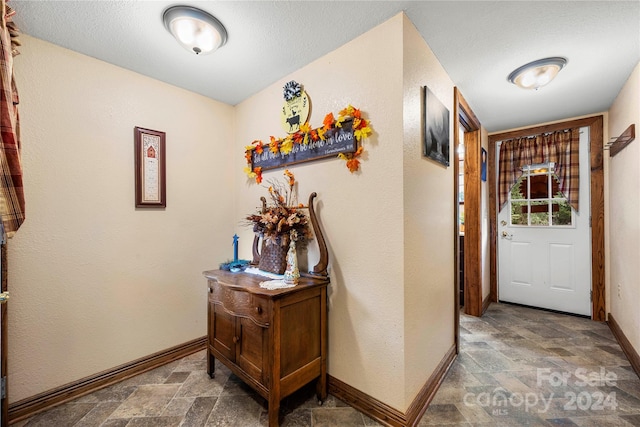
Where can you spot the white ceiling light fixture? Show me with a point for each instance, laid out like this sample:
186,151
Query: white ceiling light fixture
537,73
196,30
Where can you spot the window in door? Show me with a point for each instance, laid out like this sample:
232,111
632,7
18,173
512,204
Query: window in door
536,201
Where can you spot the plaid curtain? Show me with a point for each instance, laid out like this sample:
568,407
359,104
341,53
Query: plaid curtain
560,147
11,190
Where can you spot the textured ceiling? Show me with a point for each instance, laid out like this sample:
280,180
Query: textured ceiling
478,43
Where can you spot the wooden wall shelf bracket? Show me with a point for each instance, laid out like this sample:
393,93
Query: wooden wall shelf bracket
256,238
320,270
622,141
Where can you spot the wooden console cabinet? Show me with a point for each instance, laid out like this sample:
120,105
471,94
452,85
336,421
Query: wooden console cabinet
274,340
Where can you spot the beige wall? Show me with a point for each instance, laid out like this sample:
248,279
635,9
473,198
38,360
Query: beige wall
428,221
97,283
624,205
361,213
382,338
94,282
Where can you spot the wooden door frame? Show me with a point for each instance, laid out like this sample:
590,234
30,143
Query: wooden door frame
595,124
464,116
4,405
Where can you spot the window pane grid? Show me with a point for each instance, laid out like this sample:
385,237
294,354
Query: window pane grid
535,200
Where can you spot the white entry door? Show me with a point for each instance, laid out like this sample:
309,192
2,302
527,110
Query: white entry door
544,246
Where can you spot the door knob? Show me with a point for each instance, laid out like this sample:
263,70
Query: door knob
506,235
4,297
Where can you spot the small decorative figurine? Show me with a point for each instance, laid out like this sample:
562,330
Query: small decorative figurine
292,274
235,248
237,264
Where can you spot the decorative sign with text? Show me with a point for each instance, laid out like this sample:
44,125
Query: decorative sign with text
336,141
339,137
296,108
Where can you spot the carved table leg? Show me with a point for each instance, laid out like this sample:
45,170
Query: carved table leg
321,384
211,365
321,389
274,412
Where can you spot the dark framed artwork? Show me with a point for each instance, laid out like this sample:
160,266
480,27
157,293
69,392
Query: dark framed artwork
436,128
150,165
483,164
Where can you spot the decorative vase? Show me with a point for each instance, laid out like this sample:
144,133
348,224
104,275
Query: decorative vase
273,257
292,274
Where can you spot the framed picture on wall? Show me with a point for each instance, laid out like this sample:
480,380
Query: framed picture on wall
483,164
150,165
436,128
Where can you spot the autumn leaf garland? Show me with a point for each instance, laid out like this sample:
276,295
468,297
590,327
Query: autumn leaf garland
361,130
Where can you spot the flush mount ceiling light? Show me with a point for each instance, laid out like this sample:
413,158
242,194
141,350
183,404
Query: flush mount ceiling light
537,73
196,30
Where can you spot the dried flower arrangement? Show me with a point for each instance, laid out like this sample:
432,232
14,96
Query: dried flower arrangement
282,220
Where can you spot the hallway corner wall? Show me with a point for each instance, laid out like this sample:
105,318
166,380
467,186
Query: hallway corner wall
361,213
624,212
95,282
428,220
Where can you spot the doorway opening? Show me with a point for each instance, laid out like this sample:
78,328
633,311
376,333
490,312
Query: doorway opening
545,210
468,212
460,205
544,242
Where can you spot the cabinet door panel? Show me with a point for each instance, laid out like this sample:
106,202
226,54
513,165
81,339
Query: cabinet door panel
223,331
300,334
251,347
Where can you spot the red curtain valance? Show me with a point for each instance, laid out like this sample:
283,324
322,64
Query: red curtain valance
561,148
11,189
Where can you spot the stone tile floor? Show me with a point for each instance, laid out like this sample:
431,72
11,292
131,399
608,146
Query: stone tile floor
524,367
517,367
